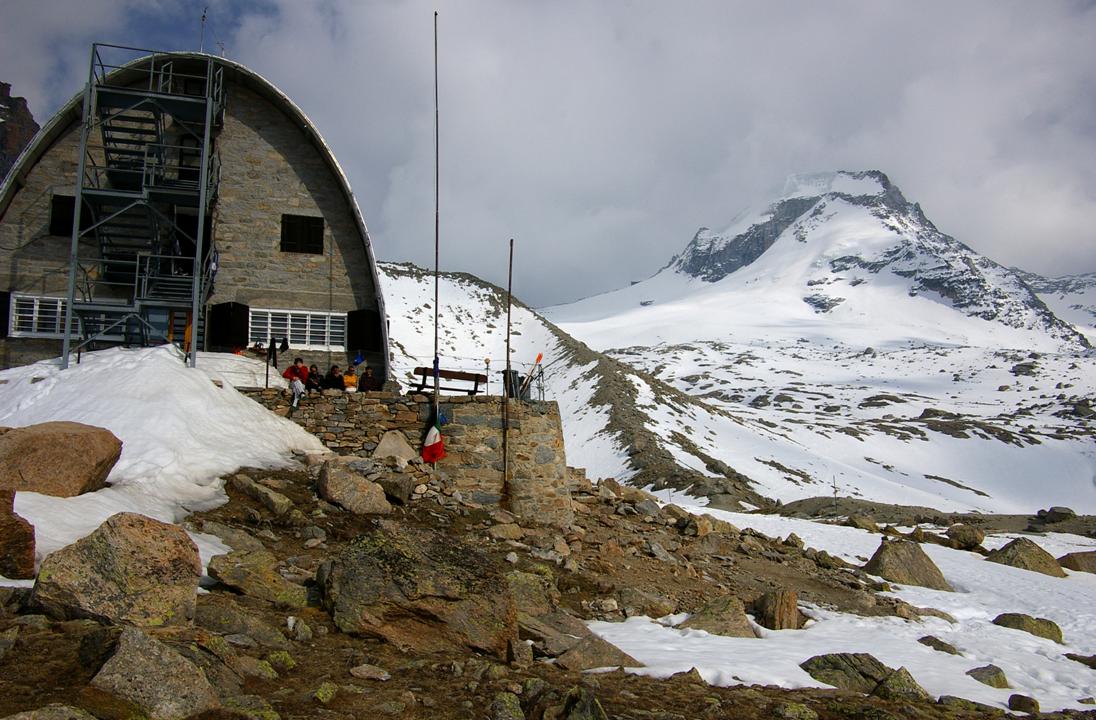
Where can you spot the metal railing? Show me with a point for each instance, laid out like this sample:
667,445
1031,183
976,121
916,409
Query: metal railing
158,75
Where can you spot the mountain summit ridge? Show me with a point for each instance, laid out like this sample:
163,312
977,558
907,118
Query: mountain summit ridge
900,240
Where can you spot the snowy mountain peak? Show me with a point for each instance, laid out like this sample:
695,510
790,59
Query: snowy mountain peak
712,256
863,183
829,232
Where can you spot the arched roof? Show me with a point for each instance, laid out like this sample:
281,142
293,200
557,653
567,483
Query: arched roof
70,114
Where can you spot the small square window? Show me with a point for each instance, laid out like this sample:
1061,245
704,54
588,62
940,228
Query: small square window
61,210
302,234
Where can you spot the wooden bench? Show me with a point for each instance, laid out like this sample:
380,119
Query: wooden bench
427,375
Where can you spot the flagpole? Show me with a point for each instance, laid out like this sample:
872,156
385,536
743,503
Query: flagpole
437,217
506,383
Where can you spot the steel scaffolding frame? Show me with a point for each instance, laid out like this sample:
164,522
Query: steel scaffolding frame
147,130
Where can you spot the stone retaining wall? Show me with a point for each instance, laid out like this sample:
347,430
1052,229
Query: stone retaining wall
353,423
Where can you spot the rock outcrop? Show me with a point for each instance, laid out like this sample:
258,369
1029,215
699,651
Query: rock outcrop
419,590
63,459
131,569
906,563
17,127
1025,554
156,679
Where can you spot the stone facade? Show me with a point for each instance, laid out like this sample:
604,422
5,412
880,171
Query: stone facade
353,423
271,162
269,168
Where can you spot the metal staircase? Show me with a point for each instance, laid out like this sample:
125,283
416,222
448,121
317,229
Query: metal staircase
146,163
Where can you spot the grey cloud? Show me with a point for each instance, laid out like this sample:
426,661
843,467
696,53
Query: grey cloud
601,135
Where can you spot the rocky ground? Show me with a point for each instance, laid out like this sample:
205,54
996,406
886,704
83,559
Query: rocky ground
422,604
909,515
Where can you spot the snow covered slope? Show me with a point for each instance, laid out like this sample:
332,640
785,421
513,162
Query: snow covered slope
838,339
842,257
1071,297
180,433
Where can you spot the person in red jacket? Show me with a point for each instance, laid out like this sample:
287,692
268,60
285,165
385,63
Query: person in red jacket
297,375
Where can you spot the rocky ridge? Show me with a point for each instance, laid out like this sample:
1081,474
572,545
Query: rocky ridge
17,127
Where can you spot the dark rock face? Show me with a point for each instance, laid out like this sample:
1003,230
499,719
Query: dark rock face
132,569
419,590
16,540
711,258
17,127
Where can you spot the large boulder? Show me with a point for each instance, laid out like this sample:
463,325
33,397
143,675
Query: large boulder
419,590
990,675
63,459
1025,554
904,562
220,613
778,610
344,486
159,681
131,569
593,652
966,537
1079,561
1040,627
859,672
16,540
726,615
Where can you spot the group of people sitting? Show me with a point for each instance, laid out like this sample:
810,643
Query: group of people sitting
308,379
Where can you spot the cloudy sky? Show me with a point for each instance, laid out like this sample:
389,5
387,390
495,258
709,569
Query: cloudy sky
600,135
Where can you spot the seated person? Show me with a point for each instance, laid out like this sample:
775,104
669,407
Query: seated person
350,379
297,375
334,379
314,382
368,382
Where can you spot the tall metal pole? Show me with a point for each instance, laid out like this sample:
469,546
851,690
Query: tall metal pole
506,384
199,242
74,249
437,217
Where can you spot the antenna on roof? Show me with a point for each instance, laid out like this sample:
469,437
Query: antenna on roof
201,38
222,46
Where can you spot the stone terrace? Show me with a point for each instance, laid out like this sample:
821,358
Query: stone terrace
352,424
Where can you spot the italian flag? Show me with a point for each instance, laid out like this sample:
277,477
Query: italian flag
433,449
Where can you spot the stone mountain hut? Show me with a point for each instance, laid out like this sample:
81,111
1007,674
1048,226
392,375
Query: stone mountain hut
183,198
